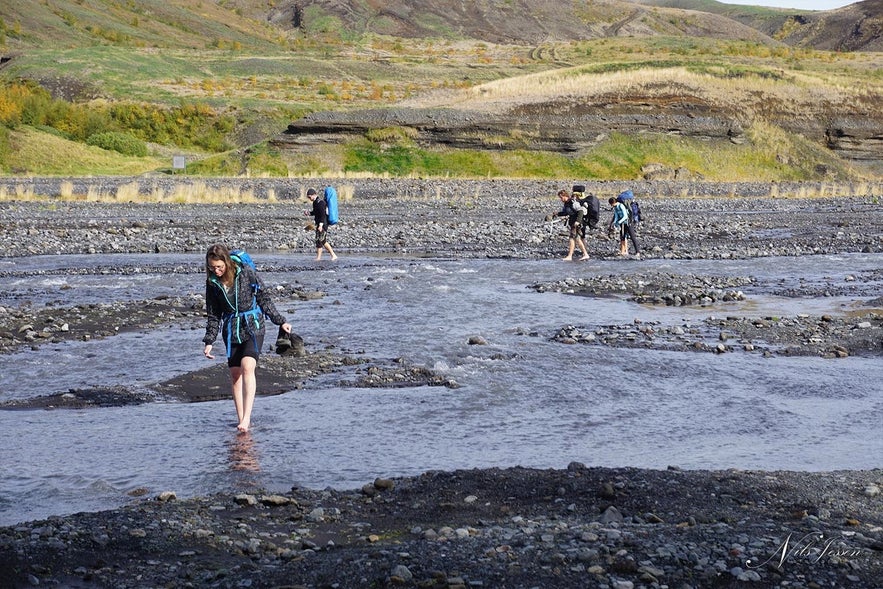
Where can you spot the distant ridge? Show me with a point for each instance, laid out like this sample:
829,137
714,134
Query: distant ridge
856,27
256,24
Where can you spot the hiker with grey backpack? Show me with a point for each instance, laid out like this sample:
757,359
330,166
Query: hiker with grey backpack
574,211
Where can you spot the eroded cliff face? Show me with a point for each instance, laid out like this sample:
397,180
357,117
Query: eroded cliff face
858,138
562,126
569,126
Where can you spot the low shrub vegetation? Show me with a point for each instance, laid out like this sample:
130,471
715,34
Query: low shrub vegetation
187,125
120,142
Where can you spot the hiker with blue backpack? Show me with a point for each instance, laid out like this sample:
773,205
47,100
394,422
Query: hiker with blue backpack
625,221
237,305
324,214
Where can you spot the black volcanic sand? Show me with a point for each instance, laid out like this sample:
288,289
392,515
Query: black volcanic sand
577,527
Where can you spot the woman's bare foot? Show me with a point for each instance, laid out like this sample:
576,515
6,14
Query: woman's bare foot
585,257
567,259
243,427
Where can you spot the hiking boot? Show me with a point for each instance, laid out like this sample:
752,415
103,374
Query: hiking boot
283,344
294,346
289,344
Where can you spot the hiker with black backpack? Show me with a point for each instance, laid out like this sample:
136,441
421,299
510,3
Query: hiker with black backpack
622,221
321,222
575,212
237,305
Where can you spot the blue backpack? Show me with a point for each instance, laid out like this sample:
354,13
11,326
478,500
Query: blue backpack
627,197
331,201
242,257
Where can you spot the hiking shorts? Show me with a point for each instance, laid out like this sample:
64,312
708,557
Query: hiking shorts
575,223
250,347
321,237
577,230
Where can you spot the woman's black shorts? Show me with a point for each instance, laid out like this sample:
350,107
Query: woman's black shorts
251,347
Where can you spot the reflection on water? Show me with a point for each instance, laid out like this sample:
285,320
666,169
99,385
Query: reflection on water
244,460
523,398
243,454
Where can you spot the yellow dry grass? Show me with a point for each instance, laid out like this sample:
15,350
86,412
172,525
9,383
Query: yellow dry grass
752,95
150,192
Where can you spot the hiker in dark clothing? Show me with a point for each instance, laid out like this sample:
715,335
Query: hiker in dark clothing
620,221
237,302
320,219
574,211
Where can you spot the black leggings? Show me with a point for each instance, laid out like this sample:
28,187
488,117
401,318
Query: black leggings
627,229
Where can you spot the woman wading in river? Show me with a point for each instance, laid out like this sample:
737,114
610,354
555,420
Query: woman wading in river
236,300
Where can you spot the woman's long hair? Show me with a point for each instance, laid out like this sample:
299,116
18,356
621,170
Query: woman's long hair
218,252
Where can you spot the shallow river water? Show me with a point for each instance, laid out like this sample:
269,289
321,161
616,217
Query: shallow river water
523,400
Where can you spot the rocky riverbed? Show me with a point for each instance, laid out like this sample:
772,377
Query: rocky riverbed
520,528
580,526
496,218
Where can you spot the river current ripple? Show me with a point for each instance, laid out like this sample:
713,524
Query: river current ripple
523,400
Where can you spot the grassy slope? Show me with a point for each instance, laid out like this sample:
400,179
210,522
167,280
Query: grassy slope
145,23
258,70
60,157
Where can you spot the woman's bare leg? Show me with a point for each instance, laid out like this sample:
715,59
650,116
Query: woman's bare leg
236,380
249,385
